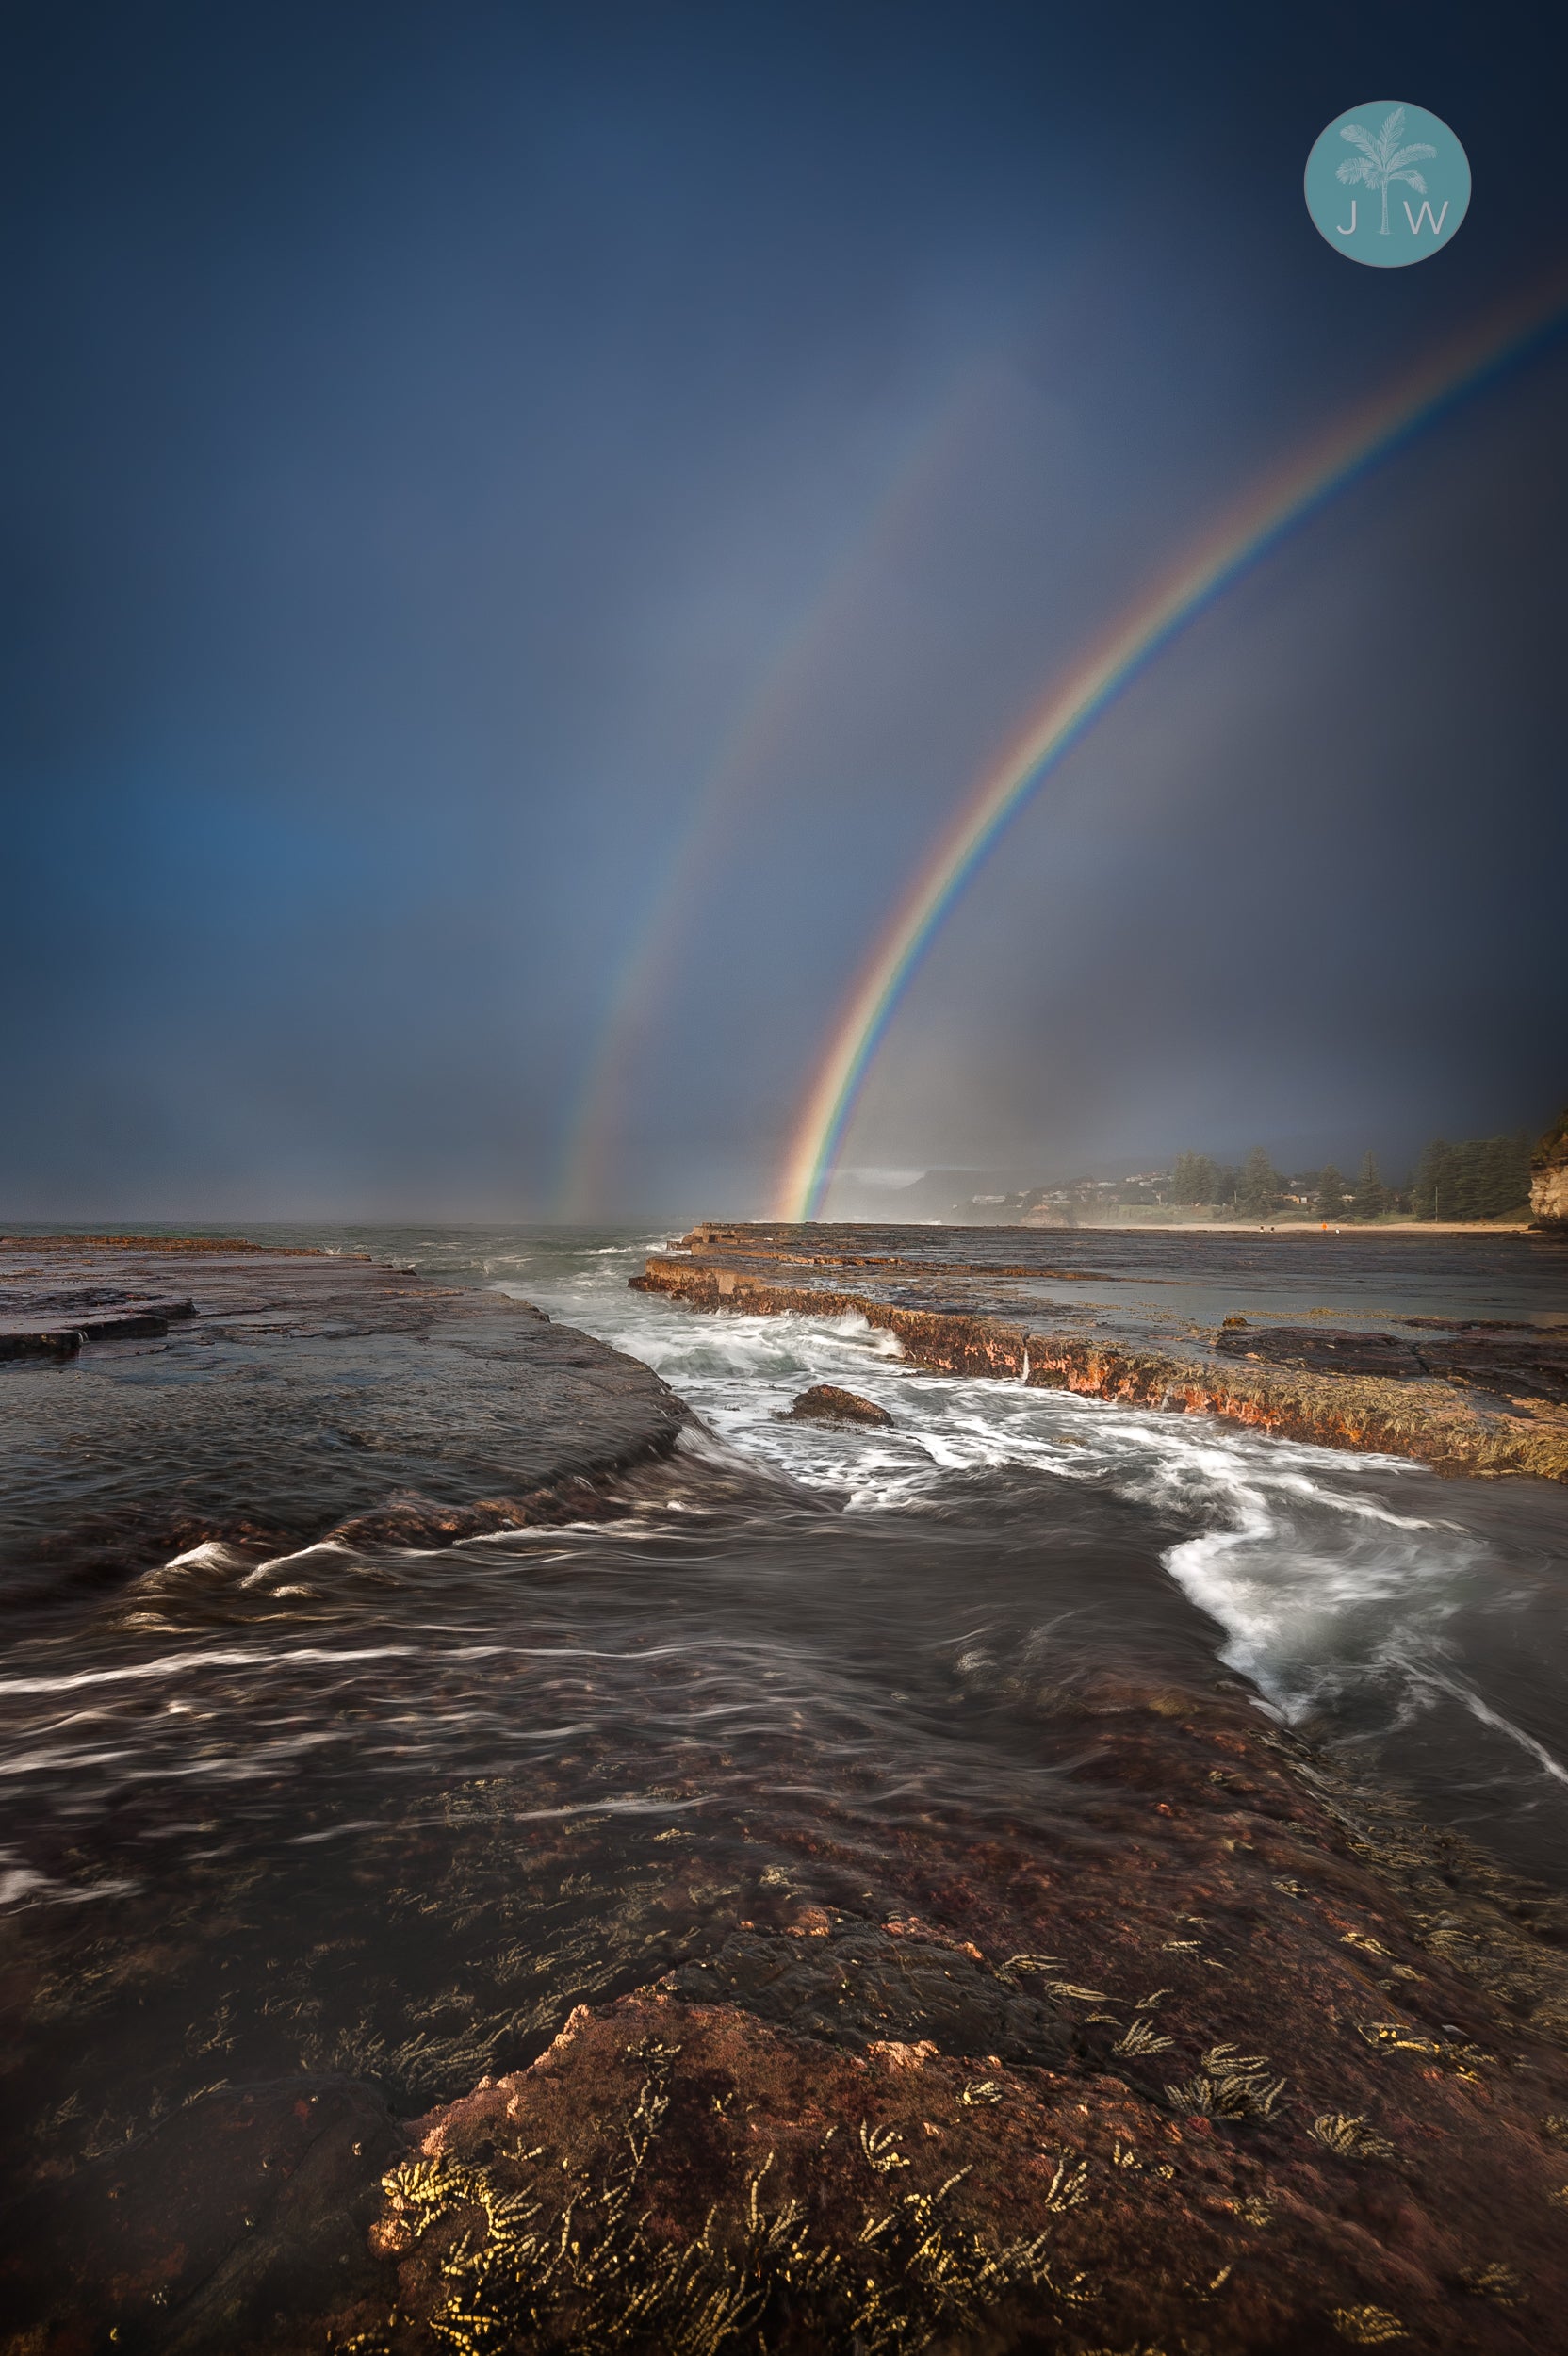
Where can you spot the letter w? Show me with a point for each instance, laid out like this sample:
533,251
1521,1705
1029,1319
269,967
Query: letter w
1426,213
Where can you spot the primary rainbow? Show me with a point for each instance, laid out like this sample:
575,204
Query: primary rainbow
1325,468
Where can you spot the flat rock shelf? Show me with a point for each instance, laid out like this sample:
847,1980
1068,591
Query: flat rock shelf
1391,1342
158,1394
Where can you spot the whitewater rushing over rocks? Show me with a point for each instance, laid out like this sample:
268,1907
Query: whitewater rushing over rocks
1366,1599
515,1841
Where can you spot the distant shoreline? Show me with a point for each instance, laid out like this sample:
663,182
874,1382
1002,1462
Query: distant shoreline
1282,1227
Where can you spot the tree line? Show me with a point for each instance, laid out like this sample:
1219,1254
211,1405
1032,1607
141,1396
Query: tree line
1486,1178
1483,1178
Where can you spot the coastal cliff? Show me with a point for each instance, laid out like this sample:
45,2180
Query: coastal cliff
1549,1176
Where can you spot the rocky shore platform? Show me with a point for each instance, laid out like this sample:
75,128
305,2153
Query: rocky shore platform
160,1394
1450,1351
1204,2051
1257,2065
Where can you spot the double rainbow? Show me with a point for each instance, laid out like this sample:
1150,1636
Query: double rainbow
1328,466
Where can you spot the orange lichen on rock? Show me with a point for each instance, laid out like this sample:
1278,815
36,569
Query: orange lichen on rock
1424,1417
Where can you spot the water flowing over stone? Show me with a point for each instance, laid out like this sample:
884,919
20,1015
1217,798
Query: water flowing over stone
998,1877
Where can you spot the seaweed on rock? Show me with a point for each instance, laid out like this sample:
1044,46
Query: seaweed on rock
587,2273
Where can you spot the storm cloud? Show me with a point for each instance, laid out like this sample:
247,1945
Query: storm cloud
522,522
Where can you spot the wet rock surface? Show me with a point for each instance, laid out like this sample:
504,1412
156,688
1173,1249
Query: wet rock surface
854,1983
44,1324
1323,1349
1520,1368
1506,1359
242,2217
913,1944
1156,1320
1269,2067
825,1402
763,2193
161,1397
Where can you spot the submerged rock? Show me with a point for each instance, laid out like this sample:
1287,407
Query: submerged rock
1258,2073
1224,2086
235,2224
825,1404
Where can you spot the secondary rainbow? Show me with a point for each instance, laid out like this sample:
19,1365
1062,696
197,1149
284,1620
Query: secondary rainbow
633,1003
1327,466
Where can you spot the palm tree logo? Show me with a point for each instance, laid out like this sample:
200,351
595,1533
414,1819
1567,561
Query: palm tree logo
1382,160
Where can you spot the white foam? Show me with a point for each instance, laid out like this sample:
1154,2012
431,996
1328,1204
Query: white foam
211,1555
1462,1690
17,1880
181,1664
1321,1586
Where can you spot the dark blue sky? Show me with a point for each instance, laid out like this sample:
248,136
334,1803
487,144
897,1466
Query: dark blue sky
482,483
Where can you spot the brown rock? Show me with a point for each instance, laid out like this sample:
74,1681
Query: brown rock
955,1314
1340,1349
825,1404
1222,2087
665,2159
1241,2065
1549,1176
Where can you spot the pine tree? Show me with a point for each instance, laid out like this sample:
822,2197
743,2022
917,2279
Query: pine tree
1331,1193
1259,1191
1193,1179
1431,1195
1483,1178
1369,1198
